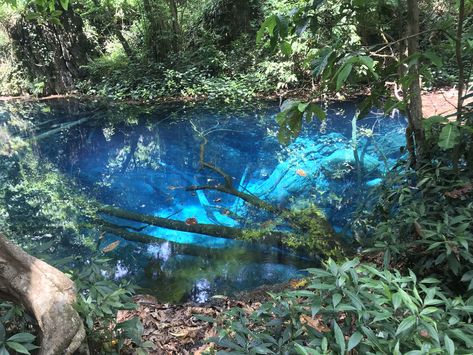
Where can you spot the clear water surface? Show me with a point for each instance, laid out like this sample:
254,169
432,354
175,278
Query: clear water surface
142,159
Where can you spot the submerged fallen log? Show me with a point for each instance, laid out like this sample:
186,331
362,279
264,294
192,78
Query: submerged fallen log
198,228
195,250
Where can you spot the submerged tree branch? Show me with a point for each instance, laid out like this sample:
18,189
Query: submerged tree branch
228,187
199,228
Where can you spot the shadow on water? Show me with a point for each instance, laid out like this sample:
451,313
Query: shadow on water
142,159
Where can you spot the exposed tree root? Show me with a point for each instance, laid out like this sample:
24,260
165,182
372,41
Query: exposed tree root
47,293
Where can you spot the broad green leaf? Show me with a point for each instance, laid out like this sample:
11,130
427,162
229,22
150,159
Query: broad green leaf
336,298
19,348
260,349
317,111
354,340
343,75
339,338
302,350
349,264
429,123
459,334
428,310
286,48
268,24
449,345
406,324
64,4
449,136
22,338
397,300
302,106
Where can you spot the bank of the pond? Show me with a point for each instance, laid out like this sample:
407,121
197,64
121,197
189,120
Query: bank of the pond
437,101
184,329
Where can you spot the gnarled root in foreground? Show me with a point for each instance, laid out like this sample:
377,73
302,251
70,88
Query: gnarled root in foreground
47,293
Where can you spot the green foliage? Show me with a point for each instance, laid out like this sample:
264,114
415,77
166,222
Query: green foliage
99,300
352,307
20,343
290,118
41,10
230,18
15,330
312,232
156,81
421,219
37,199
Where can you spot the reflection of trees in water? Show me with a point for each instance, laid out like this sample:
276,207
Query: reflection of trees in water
172,270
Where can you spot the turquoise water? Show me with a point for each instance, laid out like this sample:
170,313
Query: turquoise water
144,159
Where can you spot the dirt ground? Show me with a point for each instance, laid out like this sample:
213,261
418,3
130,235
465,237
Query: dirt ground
181,329
440,102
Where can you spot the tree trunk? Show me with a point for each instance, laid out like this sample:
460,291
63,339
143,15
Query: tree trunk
459,57
152,31
47,293
51,53
176,28
123,42
414,111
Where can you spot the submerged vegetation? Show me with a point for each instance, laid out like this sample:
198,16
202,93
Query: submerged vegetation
402,206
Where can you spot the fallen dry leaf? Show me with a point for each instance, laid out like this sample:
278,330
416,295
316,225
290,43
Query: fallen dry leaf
301,172
316,323
111,247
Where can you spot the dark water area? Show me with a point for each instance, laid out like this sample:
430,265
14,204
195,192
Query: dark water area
143,159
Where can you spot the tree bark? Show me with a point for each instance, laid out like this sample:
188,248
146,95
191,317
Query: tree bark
414,111
51,53
47,293
459,55
123,42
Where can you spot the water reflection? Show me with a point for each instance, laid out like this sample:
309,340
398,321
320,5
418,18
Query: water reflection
143,160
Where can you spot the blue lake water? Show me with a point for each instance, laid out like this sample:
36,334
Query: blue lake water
143,159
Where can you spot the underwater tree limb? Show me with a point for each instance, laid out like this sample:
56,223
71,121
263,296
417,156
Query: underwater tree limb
195,250
121,232
199,228
251,199
61,128
47,293
312,232
204,164
228,186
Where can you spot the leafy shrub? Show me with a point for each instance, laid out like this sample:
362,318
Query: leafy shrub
157,81
15,330
352,307
99,300
422,220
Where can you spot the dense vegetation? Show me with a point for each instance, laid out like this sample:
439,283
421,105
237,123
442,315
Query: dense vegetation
410,288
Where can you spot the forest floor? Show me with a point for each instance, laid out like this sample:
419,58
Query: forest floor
177,329
441,102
